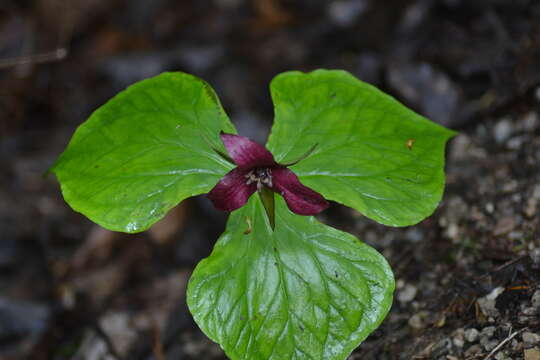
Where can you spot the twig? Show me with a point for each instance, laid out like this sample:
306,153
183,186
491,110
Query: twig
50,56
502,343
504,266
508,263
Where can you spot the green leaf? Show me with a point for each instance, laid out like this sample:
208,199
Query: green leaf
373,154
144,151
302,291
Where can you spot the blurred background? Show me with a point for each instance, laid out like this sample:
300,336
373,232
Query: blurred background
467,277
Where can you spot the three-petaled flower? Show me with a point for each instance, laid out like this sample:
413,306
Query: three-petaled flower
256,170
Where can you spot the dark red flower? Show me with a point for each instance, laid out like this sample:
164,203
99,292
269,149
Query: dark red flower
257,169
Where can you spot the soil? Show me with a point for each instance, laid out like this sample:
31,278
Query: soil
468,277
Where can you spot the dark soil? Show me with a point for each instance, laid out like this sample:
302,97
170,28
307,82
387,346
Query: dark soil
467,277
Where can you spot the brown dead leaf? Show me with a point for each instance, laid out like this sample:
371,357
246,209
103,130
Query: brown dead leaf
532,354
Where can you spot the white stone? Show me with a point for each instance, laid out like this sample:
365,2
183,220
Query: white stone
503,130
488,331
458,342
535,299
490,344
417,321
530,121
407,294
536,191
494,294
471,335
530,339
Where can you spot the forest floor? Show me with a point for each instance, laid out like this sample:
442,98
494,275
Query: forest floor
468,277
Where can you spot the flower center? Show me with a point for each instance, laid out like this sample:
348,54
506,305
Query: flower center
260,176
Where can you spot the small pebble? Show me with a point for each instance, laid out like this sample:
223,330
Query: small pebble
441,348
458,342
530,121
515,235
345,13
503,130
535,300
530,311
530,339
536,192
523,319
535,256
461,146
516,143
417,321
407,294
488,331
487,303
414,234
473,350
489,344
471,335
452,231
510,186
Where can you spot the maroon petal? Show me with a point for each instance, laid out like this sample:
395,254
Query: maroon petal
231,192
247,154
300,199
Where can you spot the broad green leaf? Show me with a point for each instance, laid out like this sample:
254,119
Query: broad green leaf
303,291
144,151
373,154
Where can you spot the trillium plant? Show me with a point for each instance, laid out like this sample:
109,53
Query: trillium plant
279,284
